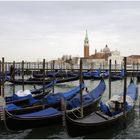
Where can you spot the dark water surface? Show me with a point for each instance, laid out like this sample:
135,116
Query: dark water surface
58,131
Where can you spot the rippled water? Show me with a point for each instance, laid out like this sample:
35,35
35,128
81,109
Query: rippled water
58,131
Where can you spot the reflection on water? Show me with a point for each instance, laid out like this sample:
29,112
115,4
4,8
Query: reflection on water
58,131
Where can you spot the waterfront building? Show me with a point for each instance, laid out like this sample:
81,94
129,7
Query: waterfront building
133,59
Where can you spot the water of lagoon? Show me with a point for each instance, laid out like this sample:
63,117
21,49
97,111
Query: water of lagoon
59,132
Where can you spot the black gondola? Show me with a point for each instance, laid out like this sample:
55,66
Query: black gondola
118,76
90,74
50,100
40,81
98,76
23,97
50,115
53,74
106,117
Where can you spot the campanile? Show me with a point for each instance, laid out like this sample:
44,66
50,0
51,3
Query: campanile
86,46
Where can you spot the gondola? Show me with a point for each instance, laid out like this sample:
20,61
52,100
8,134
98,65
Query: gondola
73,73
49,74
55,73
50,100
118,76
98,76
23,97
31,81
48,116
90,74
4,79
27,100
109,115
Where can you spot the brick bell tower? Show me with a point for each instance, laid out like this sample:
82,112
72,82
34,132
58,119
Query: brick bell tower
86,46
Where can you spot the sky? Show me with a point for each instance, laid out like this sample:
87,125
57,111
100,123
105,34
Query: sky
35,30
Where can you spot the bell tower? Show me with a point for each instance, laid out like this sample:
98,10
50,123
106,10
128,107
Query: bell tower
86,46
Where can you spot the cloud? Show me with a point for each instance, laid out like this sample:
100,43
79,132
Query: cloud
38,30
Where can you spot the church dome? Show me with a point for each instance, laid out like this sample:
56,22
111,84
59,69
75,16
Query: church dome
106,49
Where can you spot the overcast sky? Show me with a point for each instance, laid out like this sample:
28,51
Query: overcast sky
35,30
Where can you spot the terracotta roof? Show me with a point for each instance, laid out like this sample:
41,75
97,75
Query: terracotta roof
134,56
100,55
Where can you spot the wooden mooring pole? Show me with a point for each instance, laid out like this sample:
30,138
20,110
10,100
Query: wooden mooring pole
103,66
30,71
80,81
3,76
53,75
137,68
125,90
46,67
19,69
5,67
43,75
110,74
137,71
23,75
13,76
133,70
115,66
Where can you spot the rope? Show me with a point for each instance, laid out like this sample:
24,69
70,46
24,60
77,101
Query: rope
75,109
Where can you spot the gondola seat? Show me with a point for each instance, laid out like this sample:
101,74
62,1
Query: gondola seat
12,106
